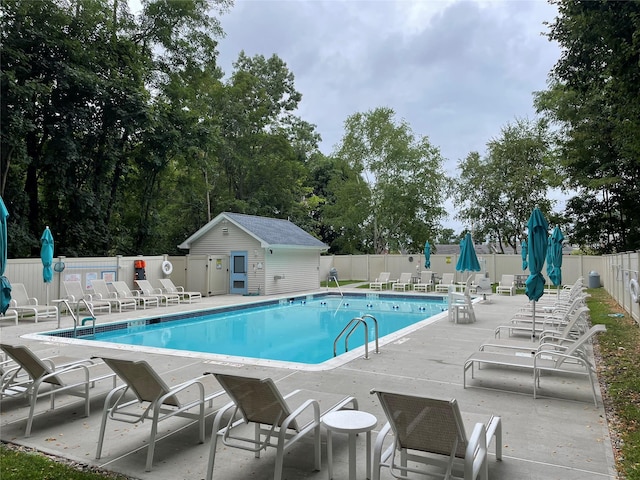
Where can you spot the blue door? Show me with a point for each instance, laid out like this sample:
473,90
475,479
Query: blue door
238,271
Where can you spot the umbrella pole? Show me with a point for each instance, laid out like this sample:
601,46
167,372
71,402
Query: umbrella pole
533,329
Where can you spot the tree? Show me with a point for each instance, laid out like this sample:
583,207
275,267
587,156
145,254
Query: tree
594,101
395,201
496,194
76,83
264,145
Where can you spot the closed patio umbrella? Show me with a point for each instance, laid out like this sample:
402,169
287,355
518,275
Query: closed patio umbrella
537,250
5,286
524,249
468,260
46,255
554,257
427,255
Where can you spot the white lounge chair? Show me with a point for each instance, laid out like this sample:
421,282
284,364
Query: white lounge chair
77,298
443,285
147,290
25,305
426,282
13,380
555,318
169,287
431,432
566,324
123,291
381,282
71,378
507,284
101,291
403,283
571,360
10,314
279,421
186,399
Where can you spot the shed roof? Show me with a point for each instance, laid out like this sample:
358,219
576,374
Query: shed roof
270,232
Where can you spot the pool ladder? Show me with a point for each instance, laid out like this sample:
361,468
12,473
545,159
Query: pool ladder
76,315
337,284
354,323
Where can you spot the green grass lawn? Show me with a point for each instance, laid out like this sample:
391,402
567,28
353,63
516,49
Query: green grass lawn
22,464
619,371
342,283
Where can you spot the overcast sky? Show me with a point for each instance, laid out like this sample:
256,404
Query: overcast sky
456,71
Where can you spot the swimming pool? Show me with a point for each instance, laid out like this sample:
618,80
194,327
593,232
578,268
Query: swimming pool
298,330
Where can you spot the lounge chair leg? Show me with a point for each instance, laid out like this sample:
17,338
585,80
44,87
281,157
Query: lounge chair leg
152,437
277,474
316,439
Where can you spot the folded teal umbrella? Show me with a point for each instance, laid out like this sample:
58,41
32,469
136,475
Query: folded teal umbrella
427,255
46,255
524,252
555,255
5,286
537,250
468,260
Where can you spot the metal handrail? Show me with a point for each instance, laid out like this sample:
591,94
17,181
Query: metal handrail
375,323
357,321
353,323
77,314
92,317
337,284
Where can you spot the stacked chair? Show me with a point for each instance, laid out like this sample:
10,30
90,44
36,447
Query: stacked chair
561,343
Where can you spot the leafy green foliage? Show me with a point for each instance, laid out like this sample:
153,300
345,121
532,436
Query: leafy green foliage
397,195
497,193
595,102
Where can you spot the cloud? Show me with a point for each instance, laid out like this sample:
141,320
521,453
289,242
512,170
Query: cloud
456,71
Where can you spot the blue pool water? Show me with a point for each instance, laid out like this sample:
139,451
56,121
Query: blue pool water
301,330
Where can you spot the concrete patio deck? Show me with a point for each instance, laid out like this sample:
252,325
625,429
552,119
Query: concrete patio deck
561,435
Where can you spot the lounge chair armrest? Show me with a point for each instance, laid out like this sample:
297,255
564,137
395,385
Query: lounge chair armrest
298,411
494,429
562,356
476,454
378,456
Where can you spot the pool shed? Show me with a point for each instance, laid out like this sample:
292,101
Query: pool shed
266,256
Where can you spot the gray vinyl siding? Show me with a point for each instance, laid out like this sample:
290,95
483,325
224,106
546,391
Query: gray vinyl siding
216,242
300,269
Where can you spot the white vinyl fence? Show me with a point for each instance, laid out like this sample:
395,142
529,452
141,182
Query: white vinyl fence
613,272
618,272
368,267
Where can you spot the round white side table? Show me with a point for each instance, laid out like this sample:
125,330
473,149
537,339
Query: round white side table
351,422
